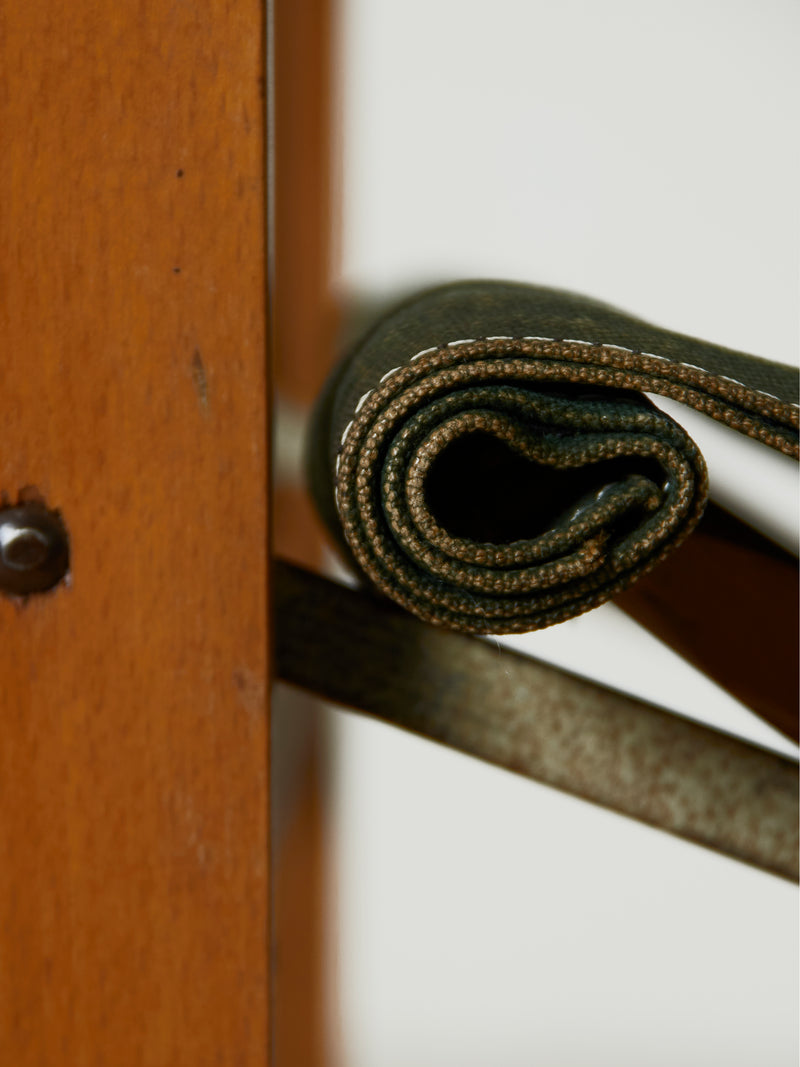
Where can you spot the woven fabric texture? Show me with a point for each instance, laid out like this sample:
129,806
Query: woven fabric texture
486,455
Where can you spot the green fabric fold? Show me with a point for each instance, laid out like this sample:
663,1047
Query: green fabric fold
487,457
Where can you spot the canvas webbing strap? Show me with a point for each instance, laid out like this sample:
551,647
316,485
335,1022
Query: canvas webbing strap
488,460
352,648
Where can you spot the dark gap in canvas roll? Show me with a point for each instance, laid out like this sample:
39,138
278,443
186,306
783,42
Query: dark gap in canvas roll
487,459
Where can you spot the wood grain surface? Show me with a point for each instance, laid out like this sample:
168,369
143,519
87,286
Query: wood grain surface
727,601
304,326
133,751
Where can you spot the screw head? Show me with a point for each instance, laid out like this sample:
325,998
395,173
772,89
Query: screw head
34,549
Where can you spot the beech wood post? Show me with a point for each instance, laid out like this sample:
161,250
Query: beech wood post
133,700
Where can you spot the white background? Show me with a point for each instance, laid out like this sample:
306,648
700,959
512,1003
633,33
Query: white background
647,154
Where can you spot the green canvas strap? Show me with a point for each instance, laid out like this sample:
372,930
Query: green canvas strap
487,458
358,650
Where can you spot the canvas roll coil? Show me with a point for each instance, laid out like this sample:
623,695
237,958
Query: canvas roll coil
487,455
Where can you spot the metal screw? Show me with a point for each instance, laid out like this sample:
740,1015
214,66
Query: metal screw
34,549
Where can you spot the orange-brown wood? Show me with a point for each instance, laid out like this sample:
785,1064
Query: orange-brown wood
133,761
303,335
727,601
305,320
300,996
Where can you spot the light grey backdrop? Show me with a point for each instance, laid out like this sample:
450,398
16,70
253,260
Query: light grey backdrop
645,153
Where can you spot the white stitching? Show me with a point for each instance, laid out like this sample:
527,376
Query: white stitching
504,337
548,340
424,352
563,340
